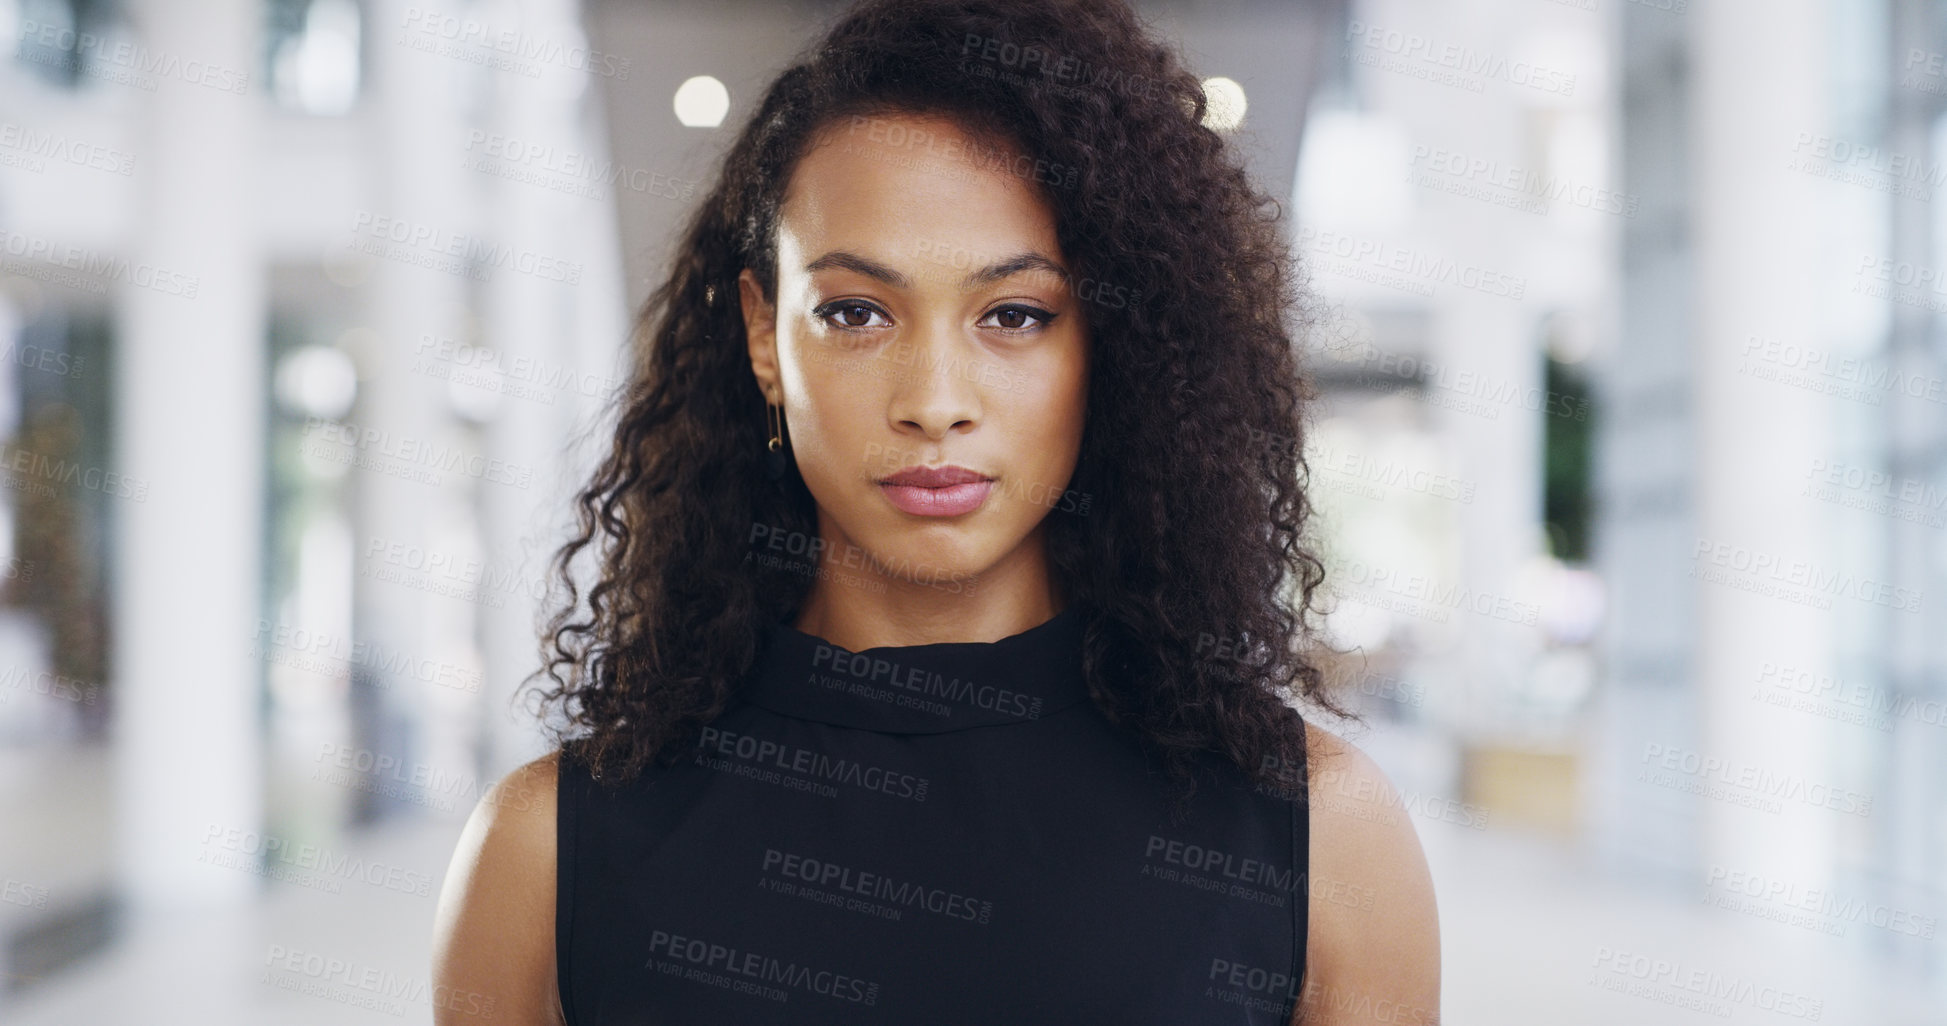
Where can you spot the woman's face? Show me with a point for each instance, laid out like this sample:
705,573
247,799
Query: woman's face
924,322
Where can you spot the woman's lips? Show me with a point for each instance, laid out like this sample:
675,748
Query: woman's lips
945,501
937,491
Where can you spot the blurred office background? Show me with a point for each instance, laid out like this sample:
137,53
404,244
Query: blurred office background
1632,457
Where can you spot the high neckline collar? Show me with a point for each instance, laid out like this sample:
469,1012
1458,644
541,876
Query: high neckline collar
922,689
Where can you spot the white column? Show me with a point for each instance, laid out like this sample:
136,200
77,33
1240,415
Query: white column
533,321
189,423
1913,773
418,113
1646,471
1492,340
1760,79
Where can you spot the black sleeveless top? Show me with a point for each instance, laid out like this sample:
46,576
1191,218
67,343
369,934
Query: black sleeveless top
925,834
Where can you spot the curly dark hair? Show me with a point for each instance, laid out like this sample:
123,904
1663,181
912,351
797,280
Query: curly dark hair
1189,563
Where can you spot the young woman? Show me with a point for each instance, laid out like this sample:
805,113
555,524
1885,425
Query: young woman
952,600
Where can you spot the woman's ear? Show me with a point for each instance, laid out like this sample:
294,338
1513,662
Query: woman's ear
760,333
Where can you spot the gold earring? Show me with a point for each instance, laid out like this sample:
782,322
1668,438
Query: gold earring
774,459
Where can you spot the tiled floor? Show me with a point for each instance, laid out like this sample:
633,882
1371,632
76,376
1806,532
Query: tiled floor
254,965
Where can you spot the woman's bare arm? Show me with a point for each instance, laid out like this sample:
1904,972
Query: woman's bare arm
1373,950
493,935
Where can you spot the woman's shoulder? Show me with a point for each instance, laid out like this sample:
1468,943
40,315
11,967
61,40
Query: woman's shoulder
1359,819
514,820
517,812
494,929
527,790
1371,893
1335,766
515,816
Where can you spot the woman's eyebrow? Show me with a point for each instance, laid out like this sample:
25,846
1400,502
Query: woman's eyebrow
1012,265
983,276
863,265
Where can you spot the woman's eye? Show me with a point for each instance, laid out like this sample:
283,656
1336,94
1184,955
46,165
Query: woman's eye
850,315
1016,318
